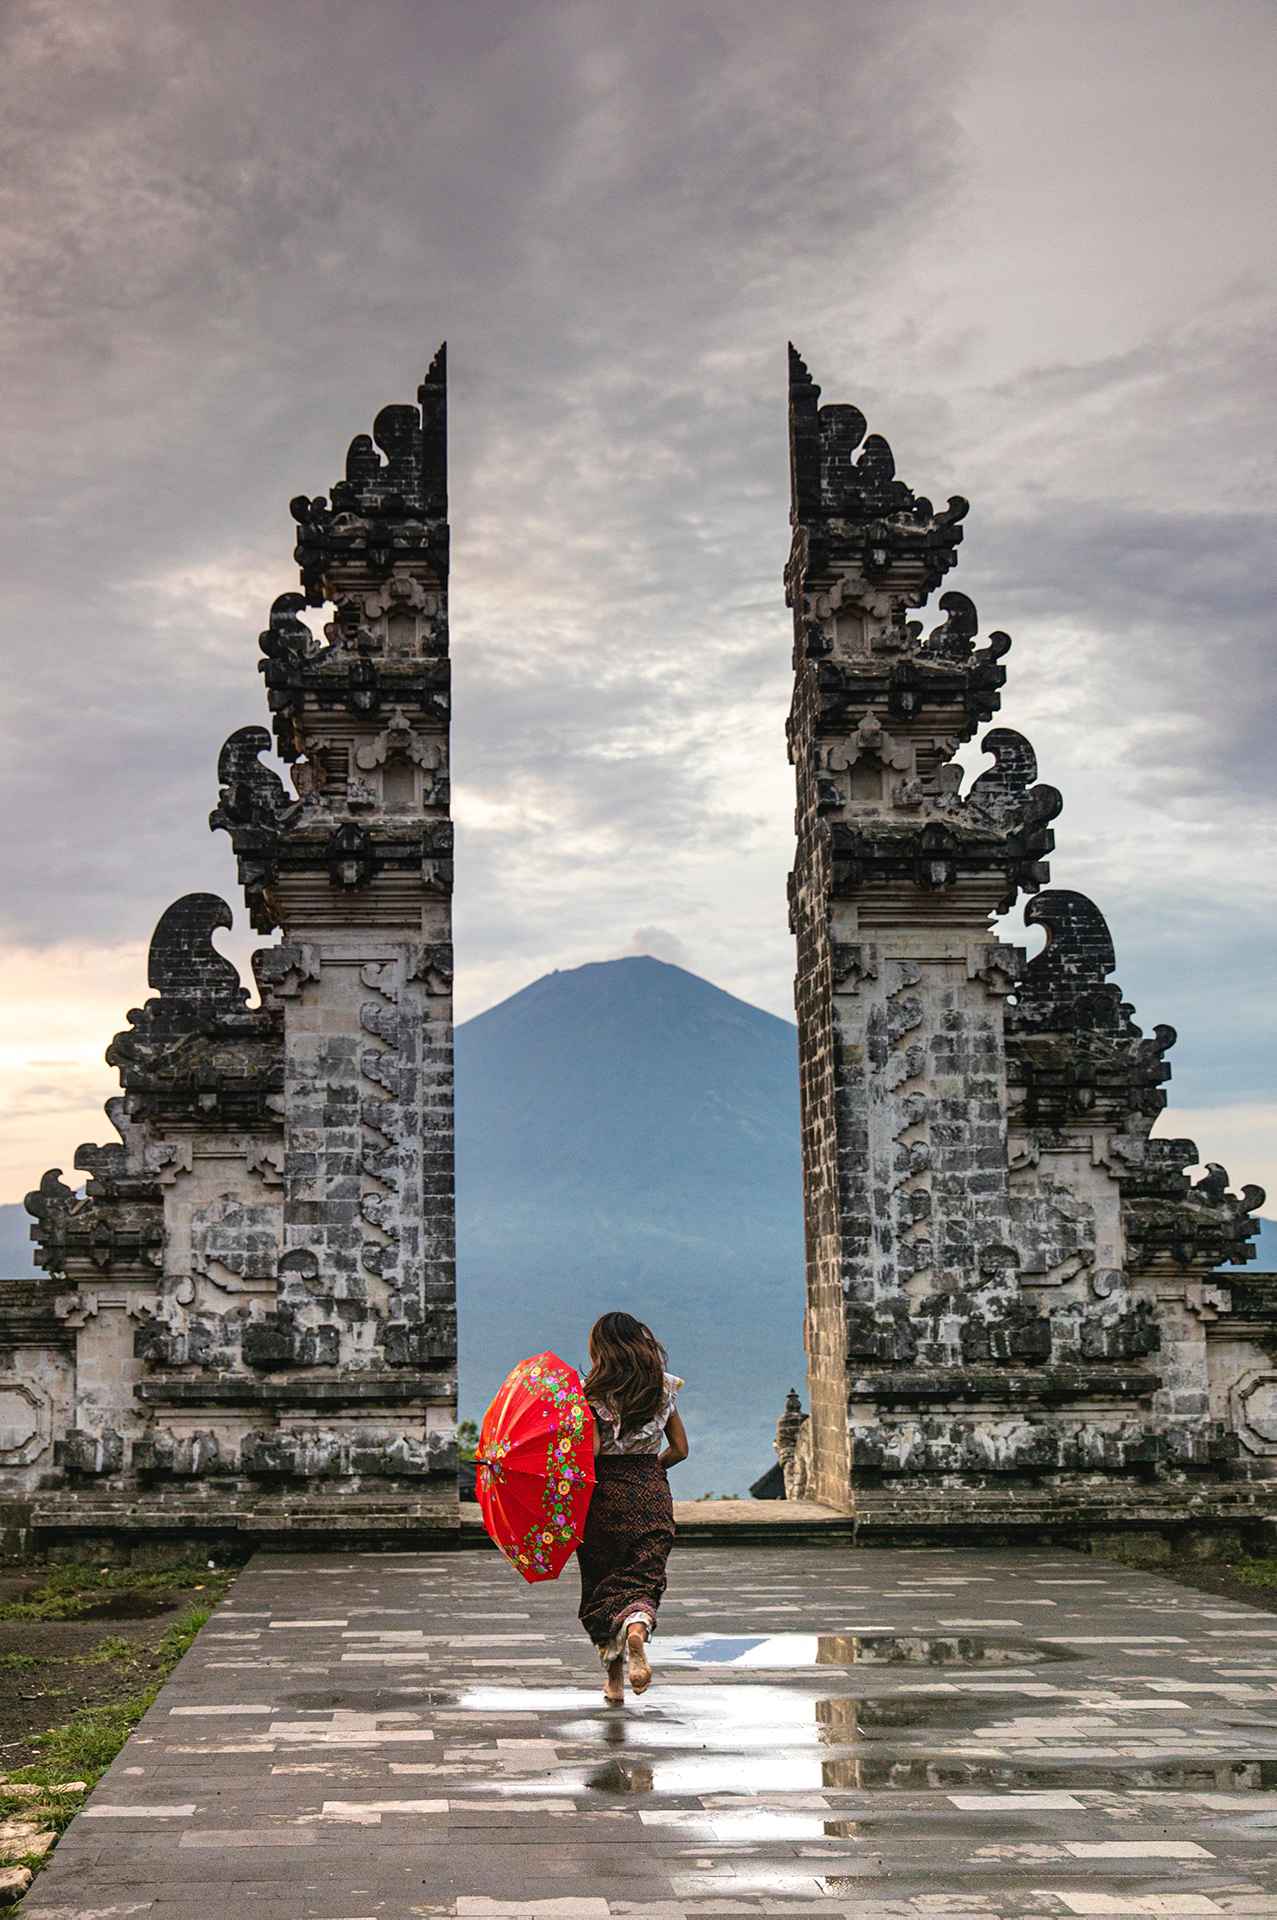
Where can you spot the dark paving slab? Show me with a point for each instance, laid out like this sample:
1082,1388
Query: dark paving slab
892,1734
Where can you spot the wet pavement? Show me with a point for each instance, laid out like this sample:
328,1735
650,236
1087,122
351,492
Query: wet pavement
878,1733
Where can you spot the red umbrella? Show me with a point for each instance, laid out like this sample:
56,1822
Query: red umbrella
536,1466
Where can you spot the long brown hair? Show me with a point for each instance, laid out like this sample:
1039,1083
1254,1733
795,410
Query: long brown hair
627,1371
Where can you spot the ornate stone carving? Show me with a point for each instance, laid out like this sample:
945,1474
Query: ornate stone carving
167,1160
349,857
1254,1410
399,739
26,1423
272,1232
852,964
976,1129
998,967
282,972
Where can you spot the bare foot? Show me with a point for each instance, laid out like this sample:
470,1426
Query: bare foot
614,1691
636,1652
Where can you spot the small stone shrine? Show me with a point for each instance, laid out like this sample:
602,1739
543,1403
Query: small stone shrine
1014,1318
248,1325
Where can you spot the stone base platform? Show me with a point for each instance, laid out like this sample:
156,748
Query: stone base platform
1191,1515
79,1524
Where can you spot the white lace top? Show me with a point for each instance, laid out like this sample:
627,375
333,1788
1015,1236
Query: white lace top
650,1437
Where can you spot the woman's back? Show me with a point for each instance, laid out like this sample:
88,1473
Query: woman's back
647,1438
629,1528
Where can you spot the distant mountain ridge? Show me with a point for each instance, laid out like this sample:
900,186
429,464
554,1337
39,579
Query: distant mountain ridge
627,1135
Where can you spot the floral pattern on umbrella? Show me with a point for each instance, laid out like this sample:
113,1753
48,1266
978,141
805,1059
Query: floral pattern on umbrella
535,1466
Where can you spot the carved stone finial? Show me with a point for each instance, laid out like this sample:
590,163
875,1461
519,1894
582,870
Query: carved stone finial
51,1205
383,510
1015,764
830,482
184,965
51,1198
955,637
251,795
1066,986
287,639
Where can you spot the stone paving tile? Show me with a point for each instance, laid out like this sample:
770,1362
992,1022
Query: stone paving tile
898,1735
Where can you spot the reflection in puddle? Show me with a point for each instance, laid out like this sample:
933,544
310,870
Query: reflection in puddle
688,1773
768,1773
699,1739
622,1776
787,1650
755,1714
492,1702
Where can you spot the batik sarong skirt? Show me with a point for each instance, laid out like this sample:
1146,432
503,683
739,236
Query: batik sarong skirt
629,1531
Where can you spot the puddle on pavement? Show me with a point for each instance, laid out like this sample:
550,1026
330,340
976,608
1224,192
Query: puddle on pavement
704,1739
622,1776
751,1826
896,1773
895,1715
701,1738
768,1773
790,1650
495,1702
771,1720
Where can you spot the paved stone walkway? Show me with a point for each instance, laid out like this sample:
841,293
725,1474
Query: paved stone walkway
830,1732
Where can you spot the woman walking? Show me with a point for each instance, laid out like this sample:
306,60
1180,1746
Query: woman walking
629,1529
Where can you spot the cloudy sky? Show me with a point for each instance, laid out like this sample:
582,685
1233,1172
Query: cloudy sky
1032,242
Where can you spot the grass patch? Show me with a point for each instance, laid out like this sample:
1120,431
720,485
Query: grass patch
1260,1572
111,1652
85,1746
72,1588
179,1636
19,1662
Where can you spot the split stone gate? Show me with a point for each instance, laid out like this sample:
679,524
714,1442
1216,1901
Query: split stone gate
247,1322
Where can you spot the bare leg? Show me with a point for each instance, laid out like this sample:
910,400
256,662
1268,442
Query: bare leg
636,1653
614,1691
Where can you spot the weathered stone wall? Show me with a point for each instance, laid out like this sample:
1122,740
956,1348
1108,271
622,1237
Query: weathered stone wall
1011,1311
249,1322
833,1150
37,1400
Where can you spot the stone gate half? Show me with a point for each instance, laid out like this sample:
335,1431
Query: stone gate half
1013,1313
248,1322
